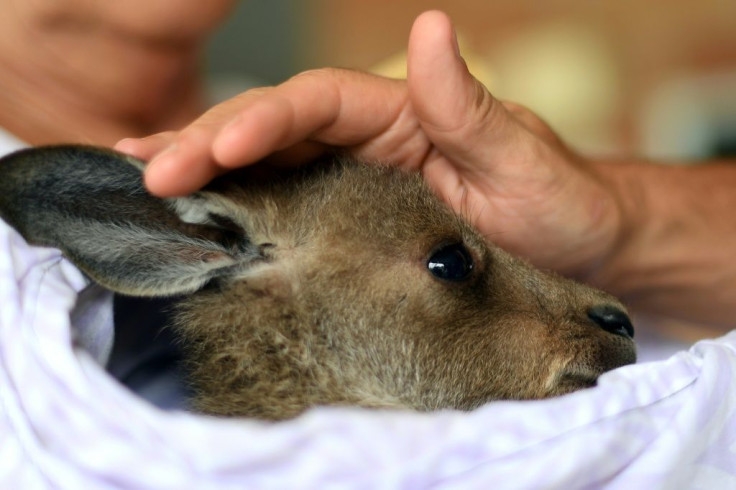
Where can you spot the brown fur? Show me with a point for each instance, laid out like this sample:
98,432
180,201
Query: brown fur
344,310
316,286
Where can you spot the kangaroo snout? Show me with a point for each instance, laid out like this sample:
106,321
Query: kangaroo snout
612,319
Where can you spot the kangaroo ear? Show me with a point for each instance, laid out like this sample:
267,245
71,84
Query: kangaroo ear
90,203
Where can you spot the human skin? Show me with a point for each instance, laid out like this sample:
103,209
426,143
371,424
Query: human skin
657,236
94,71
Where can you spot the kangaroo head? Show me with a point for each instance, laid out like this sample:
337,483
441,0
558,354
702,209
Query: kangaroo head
340,283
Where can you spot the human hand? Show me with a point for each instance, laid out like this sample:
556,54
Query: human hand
497,163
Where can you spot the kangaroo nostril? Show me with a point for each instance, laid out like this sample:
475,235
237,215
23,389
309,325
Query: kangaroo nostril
612,319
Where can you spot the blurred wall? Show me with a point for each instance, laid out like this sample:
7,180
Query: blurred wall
613,76
260,44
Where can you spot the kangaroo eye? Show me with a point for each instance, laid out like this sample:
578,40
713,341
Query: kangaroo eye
451,263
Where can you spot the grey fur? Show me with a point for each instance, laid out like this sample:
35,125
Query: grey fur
319,288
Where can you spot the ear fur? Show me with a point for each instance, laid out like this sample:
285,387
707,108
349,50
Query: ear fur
91,203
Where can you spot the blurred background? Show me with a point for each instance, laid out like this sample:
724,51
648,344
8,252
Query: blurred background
656,78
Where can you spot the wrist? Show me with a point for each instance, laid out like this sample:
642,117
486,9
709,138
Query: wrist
668,247
622,209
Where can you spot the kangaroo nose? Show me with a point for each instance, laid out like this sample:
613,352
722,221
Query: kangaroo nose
612,319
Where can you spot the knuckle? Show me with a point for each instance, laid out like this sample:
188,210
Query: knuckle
324,75
258,91
193,135
162,136
316,73
531,121
252,93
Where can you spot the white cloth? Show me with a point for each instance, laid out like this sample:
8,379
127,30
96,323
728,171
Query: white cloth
91,318
9,143
64,423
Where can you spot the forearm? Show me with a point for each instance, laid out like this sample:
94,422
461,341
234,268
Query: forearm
676,241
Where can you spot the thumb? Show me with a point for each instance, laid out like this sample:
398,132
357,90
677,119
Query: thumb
458,114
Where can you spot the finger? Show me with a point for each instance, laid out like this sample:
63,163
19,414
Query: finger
146,148
186,163
300,153
329,106
183,167
459,115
